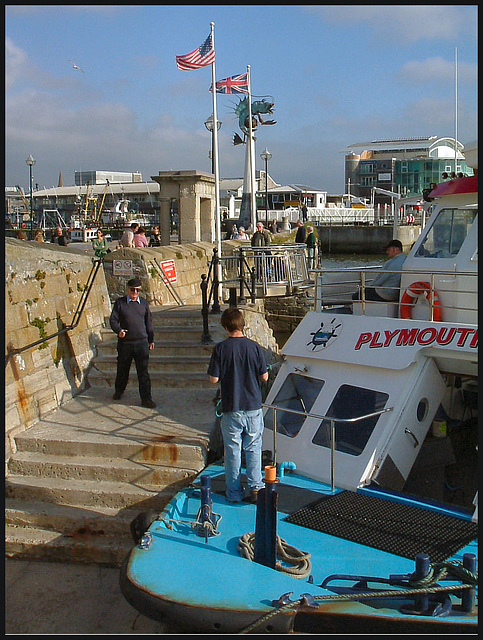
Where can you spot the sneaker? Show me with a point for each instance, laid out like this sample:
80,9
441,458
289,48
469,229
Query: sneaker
117,395
148,403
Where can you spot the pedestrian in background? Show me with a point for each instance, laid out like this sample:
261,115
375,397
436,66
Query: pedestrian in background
59,238
155,239
127,239
140,240
99,244
301,233
311,243
131,320
240,366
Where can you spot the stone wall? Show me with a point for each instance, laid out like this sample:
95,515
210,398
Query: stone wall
191,260
43,287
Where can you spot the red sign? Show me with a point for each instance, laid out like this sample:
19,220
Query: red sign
169,269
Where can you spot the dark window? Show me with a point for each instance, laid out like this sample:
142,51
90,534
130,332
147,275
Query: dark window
299,394
351,402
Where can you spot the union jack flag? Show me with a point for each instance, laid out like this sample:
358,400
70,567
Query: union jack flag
235,84
200,57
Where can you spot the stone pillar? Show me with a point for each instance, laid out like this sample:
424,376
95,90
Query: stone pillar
195,192
165,220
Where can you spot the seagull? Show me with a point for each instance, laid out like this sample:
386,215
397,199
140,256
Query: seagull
75,66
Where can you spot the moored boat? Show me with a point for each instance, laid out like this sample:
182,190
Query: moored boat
368,521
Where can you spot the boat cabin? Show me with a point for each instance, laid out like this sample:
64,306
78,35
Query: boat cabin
357,393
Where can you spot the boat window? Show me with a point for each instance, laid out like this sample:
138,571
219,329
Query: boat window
299,394
447,234
351,402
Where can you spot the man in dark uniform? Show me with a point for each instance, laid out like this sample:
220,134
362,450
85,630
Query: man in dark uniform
132,321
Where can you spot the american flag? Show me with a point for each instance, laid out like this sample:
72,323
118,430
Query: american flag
235,84
200,57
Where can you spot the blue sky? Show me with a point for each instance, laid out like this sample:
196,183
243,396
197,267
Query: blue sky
338,75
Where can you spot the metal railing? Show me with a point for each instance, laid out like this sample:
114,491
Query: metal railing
337,286
330,419
256,272
75,318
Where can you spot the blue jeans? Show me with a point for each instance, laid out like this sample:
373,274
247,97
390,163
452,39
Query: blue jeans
242,430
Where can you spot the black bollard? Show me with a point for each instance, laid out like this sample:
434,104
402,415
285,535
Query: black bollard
265,551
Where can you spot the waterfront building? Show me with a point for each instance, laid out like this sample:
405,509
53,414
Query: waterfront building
405,166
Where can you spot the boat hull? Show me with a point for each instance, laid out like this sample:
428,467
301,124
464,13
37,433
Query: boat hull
207,587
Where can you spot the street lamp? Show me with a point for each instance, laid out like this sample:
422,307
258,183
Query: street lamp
209,126
30,162
266,155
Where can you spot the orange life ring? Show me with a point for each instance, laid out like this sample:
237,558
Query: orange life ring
417,289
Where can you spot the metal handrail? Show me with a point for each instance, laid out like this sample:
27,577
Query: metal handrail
332,421
77,315
362,282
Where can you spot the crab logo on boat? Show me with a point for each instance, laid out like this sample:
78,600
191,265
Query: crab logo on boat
321,338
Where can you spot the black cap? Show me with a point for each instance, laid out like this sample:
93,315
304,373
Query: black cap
134,282
393,243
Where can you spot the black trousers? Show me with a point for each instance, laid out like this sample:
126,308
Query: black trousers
369,294
126,352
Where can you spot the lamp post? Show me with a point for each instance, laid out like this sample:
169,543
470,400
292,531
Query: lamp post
30,162
209,126
266,155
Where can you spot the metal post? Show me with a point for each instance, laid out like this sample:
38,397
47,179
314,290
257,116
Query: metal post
332,455
205,338
241,270
215,308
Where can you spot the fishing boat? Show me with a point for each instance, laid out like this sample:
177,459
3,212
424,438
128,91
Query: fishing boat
368,519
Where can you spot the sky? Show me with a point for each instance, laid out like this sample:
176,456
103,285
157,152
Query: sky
338,75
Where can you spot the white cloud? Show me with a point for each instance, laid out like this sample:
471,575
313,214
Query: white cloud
408,23
437,70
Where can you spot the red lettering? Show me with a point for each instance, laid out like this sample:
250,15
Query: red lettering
407,337
464,334
389,336
363,338
432,335
442,339
474,340
374,340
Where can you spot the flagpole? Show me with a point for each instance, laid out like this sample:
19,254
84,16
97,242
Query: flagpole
253,206
215,163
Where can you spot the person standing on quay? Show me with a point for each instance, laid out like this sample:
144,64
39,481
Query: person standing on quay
301,233
155,239
311,243
140,240
127,239
131,320
99,244
240,365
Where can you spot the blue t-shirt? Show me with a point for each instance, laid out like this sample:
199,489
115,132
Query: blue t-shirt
238,363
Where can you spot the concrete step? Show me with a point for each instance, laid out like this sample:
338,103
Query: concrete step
148,476
69,520
85,493
114,451
168,346
175,379
38,544
161,363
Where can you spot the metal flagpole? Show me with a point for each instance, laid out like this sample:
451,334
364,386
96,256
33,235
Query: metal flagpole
215,163
251,142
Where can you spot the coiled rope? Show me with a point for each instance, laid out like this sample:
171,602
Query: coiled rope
299,562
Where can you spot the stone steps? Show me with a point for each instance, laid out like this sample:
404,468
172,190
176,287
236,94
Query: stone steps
80,476
179,359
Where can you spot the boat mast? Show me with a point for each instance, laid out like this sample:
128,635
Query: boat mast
455,108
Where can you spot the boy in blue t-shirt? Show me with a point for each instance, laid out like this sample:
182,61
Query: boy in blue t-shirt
240,366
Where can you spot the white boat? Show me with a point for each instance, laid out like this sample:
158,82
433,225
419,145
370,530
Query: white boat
370,427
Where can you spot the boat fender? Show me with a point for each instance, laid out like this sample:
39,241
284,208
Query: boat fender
290,466
409,299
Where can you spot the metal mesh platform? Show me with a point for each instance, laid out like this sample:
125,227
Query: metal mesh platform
402,530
